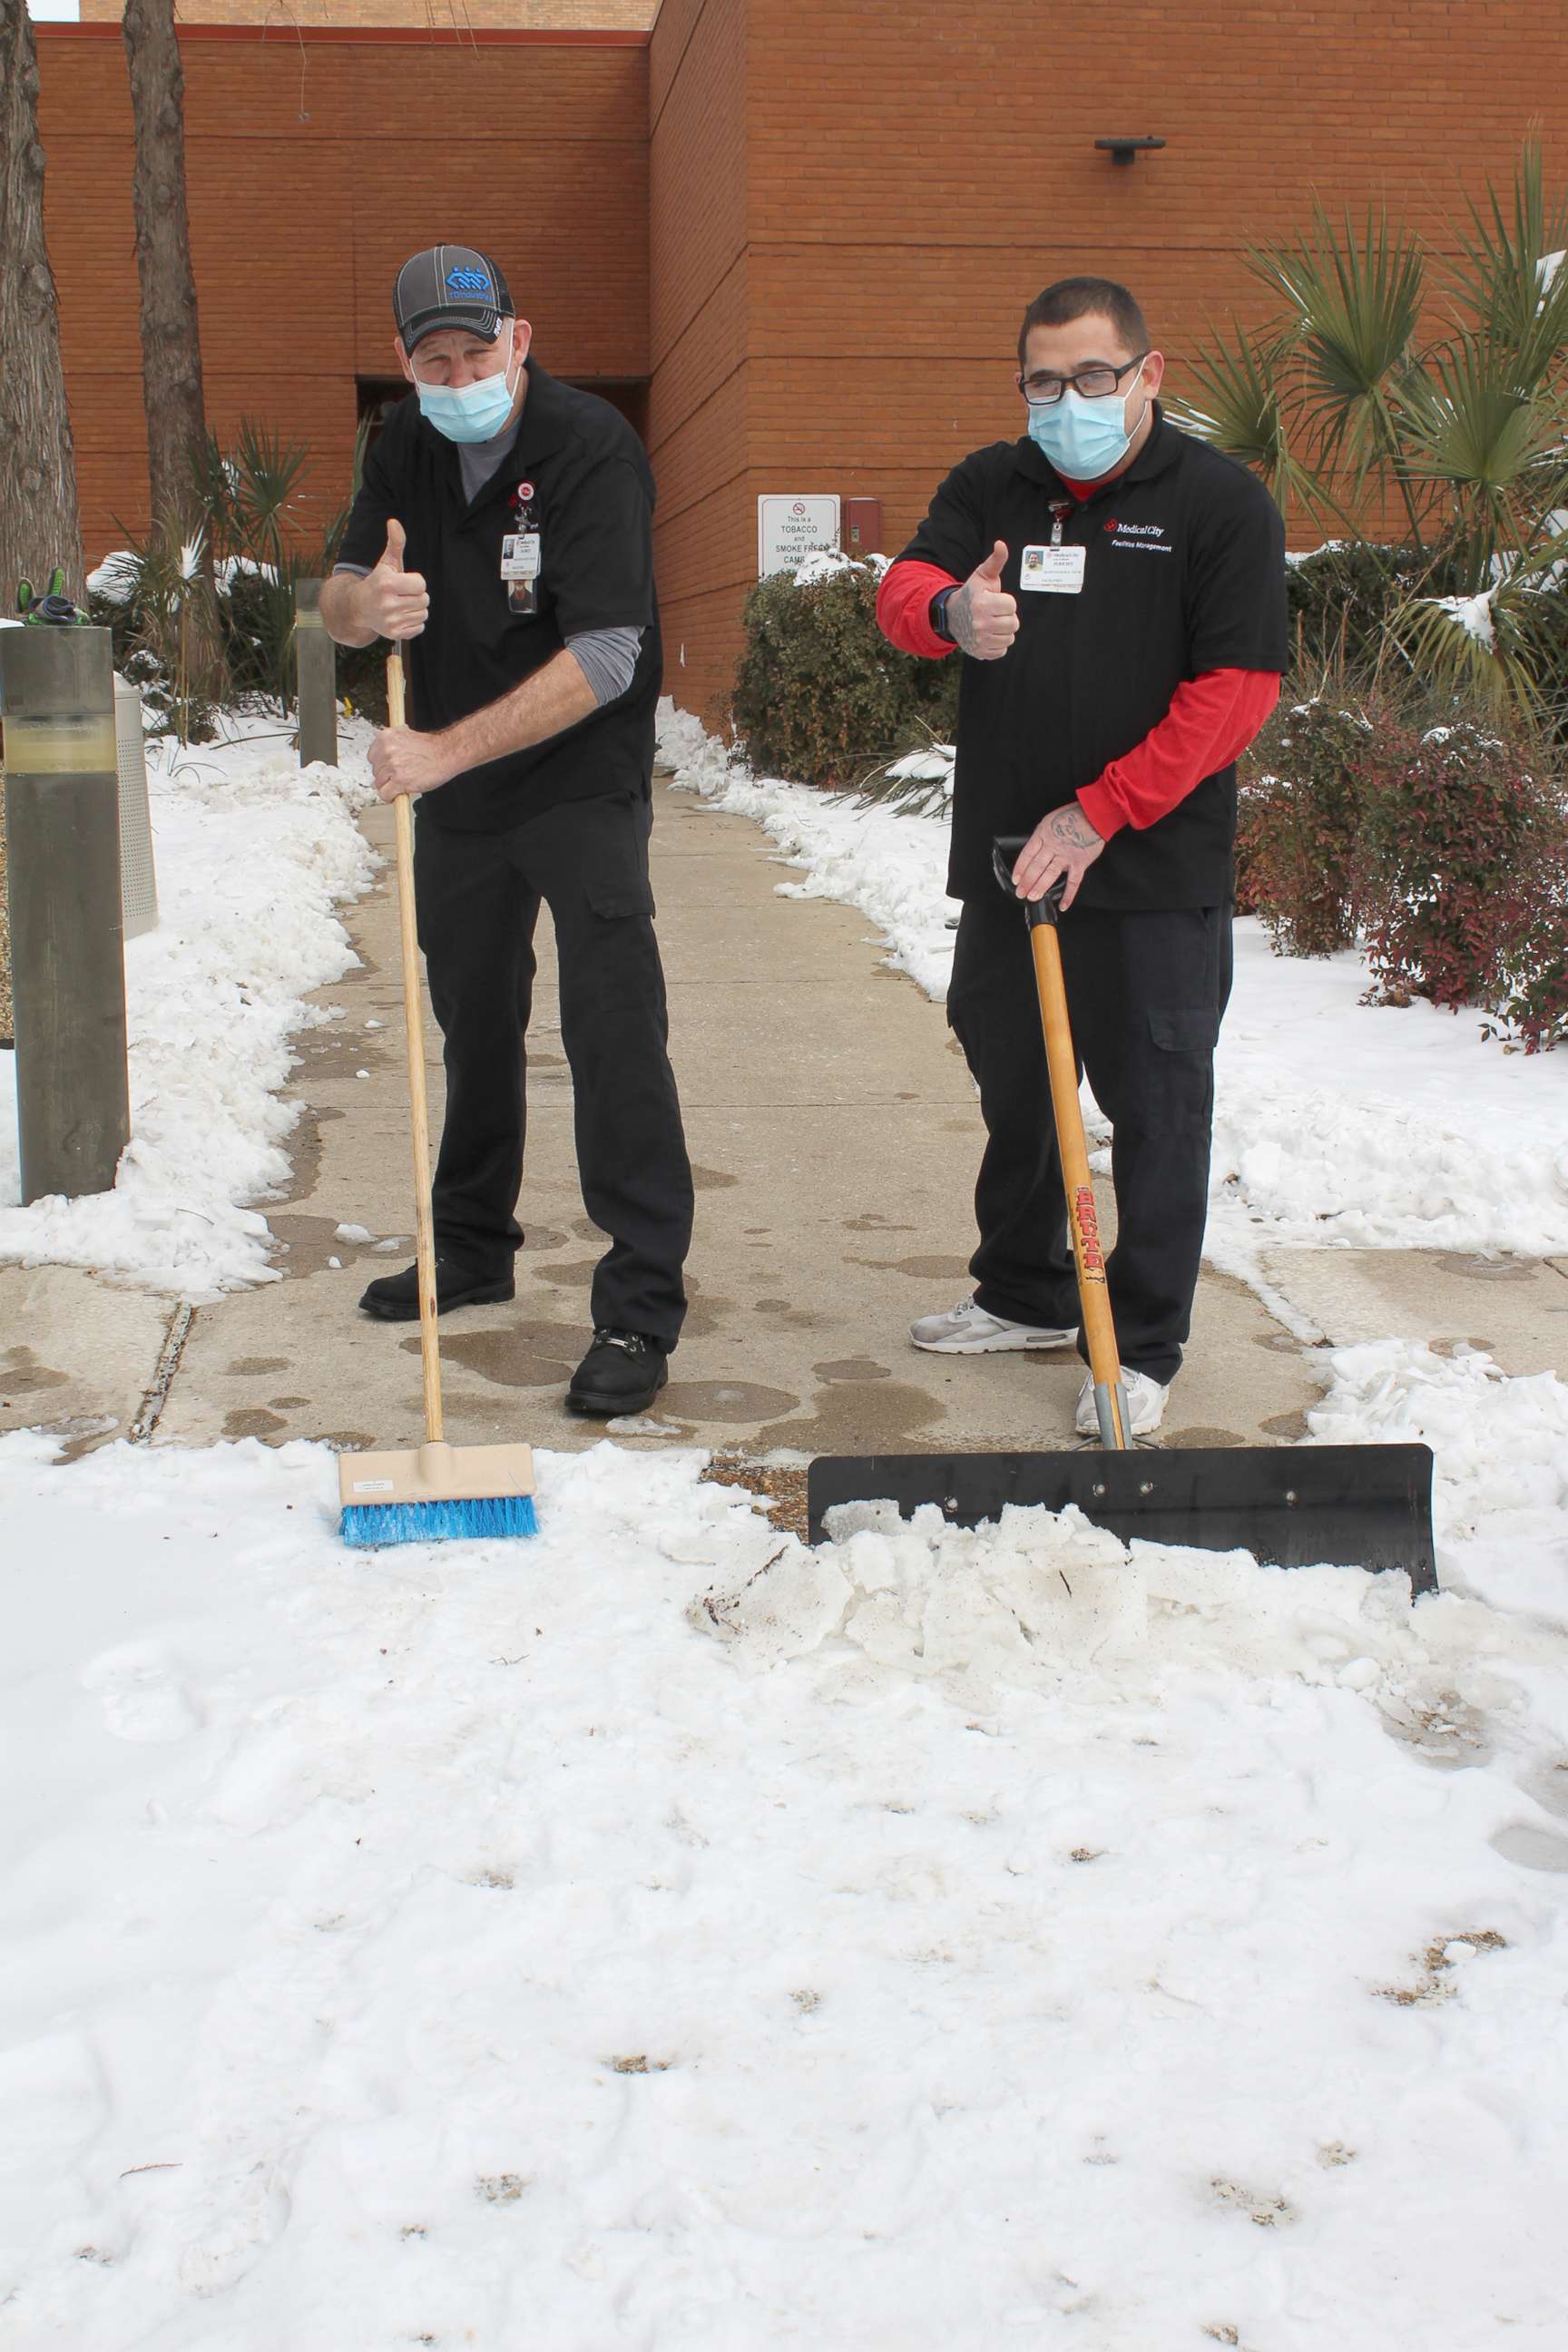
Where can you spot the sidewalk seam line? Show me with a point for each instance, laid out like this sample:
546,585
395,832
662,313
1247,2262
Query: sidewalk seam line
151,1410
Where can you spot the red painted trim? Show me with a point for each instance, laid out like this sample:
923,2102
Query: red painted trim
423,37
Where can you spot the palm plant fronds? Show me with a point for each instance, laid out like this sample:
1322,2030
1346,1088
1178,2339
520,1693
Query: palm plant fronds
1352,304
1240,409
1500,645
1510,278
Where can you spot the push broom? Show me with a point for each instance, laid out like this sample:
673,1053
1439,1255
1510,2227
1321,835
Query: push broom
437,1491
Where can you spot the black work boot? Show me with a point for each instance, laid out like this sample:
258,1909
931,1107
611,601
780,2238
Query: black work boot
395,1298
623,1371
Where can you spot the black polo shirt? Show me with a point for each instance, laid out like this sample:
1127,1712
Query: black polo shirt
1183,572
593,504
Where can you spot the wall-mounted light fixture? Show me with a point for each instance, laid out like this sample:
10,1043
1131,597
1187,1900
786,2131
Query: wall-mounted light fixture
1126,151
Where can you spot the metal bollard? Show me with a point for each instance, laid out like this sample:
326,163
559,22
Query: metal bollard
62,854
316,667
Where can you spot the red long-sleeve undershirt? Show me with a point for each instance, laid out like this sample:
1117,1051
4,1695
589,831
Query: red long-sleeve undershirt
1210,722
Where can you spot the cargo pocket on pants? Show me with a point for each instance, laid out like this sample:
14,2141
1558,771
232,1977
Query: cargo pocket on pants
613,895
1180,1069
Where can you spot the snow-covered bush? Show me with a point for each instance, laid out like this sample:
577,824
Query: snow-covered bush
820,694
260,533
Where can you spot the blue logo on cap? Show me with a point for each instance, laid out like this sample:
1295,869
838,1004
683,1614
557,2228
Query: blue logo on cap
468,281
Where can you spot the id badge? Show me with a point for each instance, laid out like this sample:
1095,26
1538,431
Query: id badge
1053,571
520,557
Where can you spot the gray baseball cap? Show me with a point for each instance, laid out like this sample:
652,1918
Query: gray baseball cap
450,286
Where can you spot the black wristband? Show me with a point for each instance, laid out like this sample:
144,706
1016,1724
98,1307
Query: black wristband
937,612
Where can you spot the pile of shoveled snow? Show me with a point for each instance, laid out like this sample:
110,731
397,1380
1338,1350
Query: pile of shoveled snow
1336,1123
1040,1598
455,1946
253,855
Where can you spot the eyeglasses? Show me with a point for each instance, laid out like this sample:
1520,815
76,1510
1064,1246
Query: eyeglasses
1090,383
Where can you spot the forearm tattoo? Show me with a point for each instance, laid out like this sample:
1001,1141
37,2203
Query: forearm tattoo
961,621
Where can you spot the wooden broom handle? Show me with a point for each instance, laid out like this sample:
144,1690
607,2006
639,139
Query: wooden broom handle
418,1103
1100,1329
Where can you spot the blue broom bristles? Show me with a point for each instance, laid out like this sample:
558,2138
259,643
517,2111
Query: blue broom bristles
371,1524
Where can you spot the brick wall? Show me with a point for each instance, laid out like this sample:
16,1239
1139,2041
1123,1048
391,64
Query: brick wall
698,323
452,16
314,166
915,173
815,224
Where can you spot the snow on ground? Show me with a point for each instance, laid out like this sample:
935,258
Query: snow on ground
252,855
657,1935
1336,1123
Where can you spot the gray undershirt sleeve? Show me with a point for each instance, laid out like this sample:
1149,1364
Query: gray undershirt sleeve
607,658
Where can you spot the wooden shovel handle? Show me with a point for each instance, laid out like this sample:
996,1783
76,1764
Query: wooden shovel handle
418,1103
1088,1257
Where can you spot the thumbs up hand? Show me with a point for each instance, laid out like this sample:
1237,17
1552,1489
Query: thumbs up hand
393,602
982,616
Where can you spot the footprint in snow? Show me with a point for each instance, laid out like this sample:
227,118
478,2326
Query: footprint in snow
1532,1846
139,1690
227,2230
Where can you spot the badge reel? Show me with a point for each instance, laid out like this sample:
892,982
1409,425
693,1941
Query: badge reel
521,553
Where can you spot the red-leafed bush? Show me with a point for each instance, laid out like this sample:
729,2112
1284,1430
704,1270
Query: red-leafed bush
1458,860
1299,825
1529,1002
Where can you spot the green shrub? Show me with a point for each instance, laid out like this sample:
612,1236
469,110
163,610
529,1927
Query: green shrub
820,696
1339,599
1299,825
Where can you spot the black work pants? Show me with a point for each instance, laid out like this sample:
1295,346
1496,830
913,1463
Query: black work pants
1145,995
479,895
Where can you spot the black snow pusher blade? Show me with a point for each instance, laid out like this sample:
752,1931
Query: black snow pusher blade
1291,1507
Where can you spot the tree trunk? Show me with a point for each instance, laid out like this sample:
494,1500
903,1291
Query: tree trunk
40,525
171,340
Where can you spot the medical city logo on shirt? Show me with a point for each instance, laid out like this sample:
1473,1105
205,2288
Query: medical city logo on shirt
1141,537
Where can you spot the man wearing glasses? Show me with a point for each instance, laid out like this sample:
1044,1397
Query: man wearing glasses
1117,591
504,528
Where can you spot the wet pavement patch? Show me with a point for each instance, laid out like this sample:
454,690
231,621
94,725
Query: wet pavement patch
922,1269
21,1374
307,1243
722,1400
506,1357
860,1417
252,1422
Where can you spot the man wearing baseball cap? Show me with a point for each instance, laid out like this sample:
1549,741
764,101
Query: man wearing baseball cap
503,531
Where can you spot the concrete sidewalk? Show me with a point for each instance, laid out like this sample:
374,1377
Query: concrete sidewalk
836,1137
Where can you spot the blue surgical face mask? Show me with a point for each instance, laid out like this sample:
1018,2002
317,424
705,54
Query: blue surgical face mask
1083,438
468,412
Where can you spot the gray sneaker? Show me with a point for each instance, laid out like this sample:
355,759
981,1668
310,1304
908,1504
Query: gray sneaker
1145,1405
967,1330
